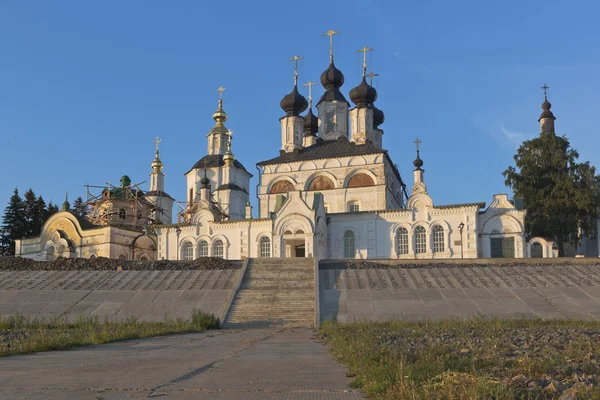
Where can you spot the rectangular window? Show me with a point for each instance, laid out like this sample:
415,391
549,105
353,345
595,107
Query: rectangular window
420,240
353,207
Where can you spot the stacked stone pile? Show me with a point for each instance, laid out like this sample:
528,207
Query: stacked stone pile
432,264
107,264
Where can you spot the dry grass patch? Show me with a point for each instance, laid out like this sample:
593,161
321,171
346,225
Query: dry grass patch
478,359
19,335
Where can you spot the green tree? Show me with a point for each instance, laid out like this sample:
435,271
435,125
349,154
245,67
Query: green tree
561,195
41,213
31,214
13,223
51,210
78,208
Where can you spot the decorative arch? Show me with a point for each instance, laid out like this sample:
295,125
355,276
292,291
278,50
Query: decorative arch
283,168
282,185
362,178
215,243
294,223
502,223
332,164
307,166
321,181
357,161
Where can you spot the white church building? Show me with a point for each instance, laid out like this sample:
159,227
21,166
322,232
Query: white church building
332,192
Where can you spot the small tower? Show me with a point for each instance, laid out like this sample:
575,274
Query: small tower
65,205
333,106
362,116
419,184
311,122
547,117
163,203
292,124
217,137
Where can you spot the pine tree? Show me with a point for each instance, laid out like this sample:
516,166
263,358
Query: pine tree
51,210
78,208
561,195
13,223
41,213
30,211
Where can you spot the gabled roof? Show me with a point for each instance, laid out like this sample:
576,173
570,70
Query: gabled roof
326,149
231,186
215,160
158,193
331,149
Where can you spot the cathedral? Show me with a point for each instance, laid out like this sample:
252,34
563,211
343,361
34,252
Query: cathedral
332,192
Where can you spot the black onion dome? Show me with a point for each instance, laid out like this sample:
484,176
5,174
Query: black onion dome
294,103
418,163
311,124
205,181
364,95
332,79
546,105
378,117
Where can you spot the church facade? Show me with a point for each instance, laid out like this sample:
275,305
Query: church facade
332,192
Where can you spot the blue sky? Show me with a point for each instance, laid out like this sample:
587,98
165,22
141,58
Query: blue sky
86,86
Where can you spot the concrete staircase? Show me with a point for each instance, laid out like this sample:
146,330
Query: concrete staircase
275,292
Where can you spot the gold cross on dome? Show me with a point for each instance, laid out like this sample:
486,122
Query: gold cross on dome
310,85
330,33
545,88
157,141
417,142
295,59
221,89
364,51
371,75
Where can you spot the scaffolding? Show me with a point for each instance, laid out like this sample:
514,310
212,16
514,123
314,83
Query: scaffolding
99,208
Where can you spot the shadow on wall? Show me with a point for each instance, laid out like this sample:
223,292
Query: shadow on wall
330,294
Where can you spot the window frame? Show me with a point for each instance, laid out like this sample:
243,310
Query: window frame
402,241
438,239
420,236
219,245
349,235
264,247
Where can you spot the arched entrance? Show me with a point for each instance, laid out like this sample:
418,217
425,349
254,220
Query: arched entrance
294,243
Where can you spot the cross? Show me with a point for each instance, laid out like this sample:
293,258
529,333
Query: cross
310,84
371,75
364,51
157,141
417,142
330,33
295,59
221,89
545,87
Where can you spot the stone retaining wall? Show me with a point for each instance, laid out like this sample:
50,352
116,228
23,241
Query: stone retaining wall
426,290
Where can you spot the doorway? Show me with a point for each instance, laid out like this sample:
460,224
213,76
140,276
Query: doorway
294,244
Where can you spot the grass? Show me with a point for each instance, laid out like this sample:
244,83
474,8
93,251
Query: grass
19,335
476,359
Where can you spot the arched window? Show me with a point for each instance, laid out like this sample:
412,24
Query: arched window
50,253
402,241
122,257
61,250
218,250
349,245
537,251
438,239
122,213
203,248
282,187
187,251
265,247
360,179
420,240
93,257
